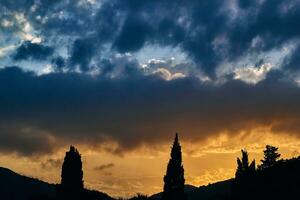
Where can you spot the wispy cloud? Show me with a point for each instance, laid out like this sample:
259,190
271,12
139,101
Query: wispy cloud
104,166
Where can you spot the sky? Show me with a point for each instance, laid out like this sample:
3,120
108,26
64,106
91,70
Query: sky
118,78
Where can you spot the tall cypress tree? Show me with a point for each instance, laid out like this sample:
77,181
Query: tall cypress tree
174,178
71,175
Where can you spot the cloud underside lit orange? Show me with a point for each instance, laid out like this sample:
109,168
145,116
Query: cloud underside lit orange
139,111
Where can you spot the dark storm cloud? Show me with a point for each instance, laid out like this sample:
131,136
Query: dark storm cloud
133,35
15,137
82,52
209,32
274,23
33,51
39,113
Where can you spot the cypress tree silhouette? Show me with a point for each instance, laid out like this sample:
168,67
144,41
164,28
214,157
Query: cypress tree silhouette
174,178
271,156
71,175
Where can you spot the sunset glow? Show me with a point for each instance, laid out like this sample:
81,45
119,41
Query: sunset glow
118,78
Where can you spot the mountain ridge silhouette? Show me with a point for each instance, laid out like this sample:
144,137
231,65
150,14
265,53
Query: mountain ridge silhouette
47,189
17,186
14,186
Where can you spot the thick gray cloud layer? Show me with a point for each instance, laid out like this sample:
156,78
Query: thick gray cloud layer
39,113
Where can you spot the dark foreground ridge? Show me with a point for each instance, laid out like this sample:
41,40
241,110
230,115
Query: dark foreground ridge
34,189
14,186
274,179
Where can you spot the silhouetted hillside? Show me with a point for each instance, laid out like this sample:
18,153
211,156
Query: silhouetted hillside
216,191
280,181
14,186
17,187
220,190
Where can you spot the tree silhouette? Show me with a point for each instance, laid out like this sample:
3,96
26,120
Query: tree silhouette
243,167
271,156
71,175
244,176
174,178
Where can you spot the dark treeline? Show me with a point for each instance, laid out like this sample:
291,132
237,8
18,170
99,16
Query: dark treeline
274,178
